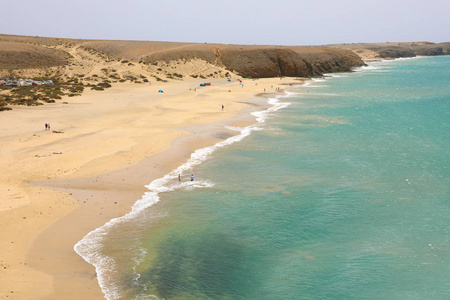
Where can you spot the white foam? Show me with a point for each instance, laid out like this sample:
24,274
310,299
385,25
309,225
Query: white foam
326,94
233,128
380,65
406,58
288,93
370,67
338,75
89,247
310,84
137,261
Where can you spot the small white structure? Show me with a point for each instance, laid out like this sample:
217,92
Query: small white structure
23,82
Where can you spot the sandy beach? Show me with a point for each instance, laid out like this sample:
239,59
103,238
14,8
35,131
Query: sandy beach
103,147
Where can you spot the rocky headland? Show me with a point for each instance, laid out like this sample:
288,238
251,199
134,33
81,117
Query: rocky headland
376,51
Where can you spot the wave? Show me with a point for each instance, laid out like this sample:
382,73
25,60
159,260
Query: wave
381,65
89,248
369,67
405,58
311,85
288,93
340,75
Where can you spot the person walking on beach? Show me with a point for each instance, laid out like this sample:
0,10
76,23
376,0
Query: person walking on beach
192,177
223,107
46,126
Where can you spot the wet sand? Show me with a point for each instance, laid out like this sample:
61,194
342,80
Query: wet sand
57,187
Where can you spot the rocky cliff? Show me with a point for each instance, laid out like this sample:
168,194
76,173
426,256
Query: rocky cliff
71,57
396,50
22,52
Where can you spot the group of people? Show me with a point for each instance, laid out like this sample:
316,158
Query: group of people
179,177
47,126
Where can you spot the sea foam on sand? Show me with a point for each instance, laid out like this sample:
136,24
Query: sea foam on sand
91,245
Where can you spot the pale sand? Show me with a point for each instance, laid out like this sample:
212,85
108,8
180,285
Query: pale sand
56,187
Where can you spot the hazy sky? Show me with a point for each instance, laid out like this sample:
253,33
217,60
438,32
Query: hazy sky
282,22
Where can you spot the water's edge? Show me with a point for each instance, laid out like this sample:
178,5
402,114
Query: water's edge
89,247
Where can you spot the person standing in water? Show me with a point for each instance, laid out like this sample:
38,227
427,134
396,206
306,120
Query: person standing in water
179,177
192,177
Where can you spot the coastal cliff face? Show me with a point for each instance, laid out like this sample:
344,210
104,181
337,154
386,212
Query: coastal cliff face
396,50
70,57
329,60
438,49
122,60
292,62
270,62
264,61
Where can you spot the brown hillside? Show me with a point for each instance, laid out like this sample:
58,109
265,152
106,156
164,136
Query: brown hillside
250,61
396,50
19,55
69,57
266,61
131,50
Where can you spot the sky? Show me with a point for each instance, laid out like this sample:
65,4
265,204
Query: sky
249,22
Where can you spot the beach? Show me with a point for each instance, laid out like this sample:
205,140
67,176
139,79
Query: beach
93,164
342,193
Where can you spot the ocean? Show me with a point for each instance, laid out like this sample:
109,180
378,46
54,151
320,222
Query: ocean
341,191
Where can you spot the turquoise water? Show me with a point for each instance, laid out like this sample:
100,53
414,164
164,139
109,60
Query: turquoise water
344,194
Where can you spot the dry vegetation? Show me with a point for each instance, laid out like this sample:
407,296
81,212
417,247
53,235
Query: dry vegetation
49,93
75,65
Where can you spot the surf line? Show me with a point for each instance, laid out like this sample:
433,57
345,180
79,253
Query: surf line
89,247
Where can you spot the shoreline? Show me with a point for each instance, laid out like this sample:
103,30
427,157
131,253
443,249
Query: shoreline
49,267
203,139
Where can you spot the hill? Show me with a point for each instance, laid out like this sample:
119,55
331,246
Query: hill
75,64
20,55
375,51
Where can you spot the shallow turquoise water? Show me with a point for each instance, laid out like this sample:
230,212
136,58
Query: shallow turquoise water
344,194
